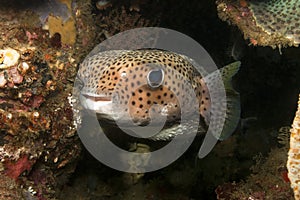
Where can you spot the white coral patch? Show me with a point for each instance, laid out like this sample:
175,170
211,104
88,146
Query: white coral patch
3,80
8,58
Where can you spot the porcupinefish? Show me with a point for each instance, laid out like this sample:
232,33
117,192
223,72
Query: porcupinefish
148,83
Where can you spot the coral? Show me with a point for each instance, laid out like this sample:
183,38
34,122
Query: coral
120,19
15,169
225,191
86,32
135,5
9,189
8,58
293,163
272,23
279,17
268,179
68,3
103,4
39,147
66,29
12,76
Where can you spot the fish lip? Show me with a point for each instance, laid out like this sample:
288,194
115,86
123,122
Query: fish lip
98,104
98,98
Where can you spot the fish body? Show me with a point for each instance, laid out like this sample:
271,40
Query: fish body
140,86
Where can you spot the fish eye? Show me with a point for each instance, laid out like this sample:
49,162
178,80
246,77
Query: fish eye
155,77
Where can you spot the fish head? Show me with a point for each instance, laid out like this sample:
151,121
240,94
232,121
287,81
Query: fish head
137,90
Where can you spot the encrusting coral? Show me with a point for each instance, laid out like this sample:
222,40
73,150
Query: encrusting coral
293,163
272,23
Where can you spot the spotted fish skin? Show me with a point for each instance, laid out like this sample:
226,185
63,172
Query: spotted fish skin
117,85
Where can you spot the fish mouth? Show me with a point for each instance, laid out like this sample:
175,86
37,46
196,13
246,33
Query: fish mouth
98,98
99,104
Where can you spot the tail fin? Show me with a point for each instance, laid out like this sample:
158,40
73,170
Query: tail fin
233,109
232,100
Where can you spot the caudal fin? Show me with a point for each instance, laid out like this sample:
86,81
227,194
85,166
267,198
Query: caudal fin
233,109
218,110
